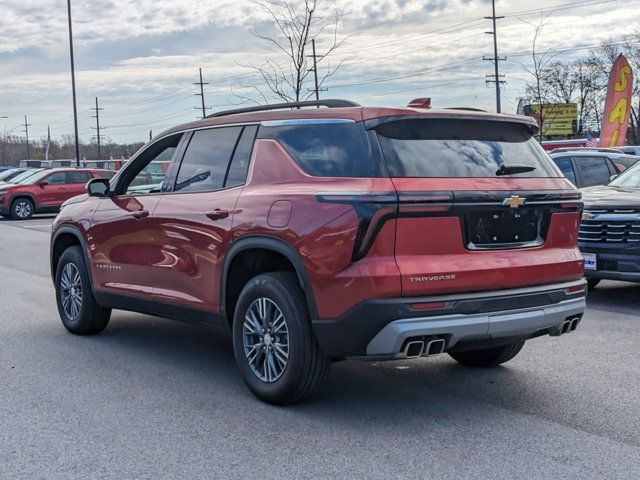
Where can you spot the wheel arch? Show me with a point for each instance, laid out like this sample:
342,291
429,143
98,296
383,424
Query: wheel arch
266,243
27,195
63,238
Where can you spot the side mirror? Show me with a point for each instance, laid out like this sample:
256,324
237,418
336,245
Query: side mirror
98,187
43,184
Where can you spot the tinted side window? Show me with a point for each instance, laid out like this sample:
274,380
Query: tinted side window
237,174
205,162
78,177
56,179
327,149
565,165
593,171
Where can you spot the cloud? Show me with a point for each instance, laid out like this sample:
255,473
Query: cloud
141,57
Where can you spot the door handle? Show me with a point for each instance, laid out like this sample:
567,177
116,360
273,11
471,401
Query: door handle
217,214
139,214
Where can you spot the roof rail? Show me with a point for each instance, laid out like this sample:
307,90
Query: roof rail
282,106
587,149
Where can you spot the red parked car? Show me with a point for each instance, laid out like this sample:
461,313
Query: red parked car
45,191
323,233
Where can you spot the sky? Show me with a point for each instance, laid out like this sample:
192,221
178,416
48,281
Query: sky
141,57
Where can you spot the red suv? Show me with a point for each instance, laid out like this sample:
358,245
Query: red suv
323,233
45,191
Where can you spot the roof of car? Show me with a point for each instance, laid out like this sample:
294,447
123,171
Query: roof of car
356,113
74,169
591,153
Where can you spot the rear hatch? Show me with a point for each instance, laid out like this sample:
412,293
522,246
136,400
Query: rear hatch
481,206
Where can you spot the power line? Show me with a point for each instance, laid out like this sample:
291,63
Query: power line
201,94
495,59
97,128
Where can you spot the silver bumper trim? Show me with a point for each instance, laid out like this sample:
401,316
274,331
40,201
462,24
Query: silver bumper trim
479,326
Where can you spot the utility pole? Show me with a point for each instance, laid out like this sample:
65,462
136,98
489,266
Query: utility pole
26,131
201,95
317,88
97,128
495,59
73,85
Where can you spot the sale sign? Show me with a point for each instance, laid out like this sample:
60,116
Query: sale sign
618,105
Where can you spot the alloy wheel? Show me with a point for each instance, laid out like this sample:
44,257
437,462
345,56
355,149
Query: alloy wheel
23,209
265,339
71,291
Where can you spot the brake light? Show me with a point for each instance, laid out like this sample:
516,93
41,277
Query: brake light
571,206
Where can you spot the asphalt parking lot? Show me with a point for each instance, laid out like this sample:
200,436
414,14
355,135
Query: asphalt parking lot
150,398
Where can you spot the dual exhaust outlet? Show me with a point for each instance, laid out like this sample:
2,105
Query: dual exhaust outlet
569,325
420,348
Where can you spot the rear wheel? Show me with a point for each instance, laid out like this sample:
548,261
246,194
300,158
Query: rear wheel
79,312
22,209
488,357
592,283
276,352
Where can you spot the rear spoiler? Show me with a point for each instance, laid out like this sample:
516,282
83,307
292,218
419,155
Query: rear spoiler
527,122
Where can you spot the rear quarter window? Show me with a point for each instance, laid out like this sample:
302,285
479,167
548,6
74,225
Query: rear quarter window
461,148
340,149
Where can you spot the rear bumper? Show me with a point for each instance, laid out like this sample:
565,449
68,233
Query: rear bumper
454,329
382,327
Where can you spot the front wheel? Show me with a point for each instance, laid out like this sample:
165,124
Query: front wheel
79,312
22,209
487,357
276,352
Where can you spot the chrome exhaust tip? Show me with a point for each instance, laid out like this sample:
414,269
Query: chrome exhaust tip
413,349
574,324
434,347
566,327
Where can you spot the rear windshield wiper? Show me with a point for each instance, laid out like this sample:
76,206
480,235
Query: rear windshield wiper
512,169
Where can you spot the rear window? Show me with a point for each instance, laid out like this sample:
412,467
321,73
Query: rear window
337,149
461,148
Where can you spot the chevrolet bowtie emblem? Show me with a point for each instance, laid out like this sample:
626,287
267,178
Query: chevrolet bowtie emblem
514,201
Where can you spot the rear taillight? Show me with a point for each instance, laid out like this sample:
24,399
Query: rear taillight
373,210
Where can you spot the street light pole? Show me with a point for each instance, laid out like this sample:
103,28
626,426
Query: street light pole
73,84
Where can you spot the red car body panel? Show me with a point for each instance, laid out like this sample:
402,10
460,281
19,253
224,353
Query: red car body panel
165,247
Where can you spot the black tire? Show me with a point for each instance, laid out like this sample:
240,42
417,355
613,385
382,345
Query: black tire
306,367
90,318
22,209
592,283
487,357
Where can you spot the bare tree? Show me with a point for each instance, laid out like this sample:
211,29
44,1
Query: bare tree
578,82
296,24
538,91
